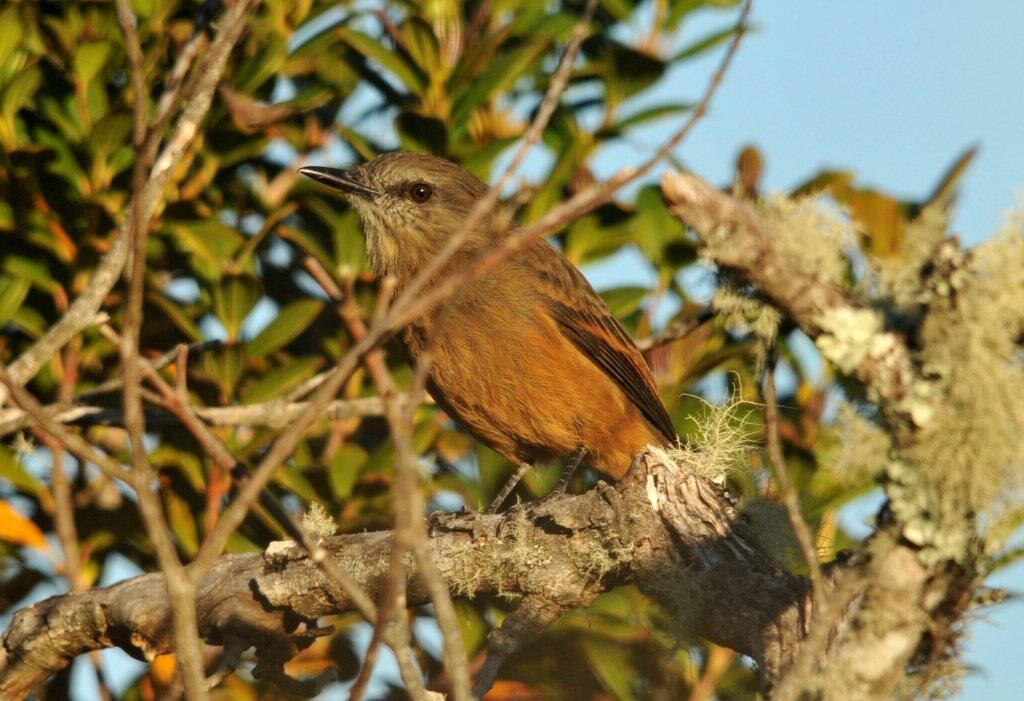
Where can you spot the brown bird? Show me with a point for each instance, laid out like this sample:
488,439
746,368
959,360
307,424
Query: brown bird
527,358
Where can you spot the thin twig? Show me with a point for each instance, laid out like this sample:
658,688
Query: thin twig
75,444
392,625
773,448
274,413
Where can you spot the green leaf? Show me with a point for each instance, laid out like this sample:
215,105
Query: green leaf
109,133
289,477
11,32
500,74
654,227
181,521
17,95
233,299
29,321
345,467
285,328
307,243
349,244
224,366
705,43
13,291
89,60
652,113
422,45
386,57
944,194
211,244
421,133
178,316
612,665
628,72
281,379
33,270
619,9
11,471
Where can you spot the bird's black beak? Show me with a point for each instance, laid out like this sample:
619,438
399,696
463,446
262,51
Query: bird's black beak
347,181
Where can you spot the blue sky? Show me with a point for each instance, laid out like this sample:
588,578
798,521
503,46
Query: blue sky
892,90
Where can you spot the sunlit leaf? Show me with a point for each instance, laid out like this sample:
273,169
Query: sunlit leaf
12,292
344,469
19,529
386,57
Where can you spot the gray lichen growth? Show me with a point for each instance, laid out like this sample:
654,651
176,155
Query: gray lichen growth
854,449
743,314
899,278
479,561
969,458
810,234
722,439
317,523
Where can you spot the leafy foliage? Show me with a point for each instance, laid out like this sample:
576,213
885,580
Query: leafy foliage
322,82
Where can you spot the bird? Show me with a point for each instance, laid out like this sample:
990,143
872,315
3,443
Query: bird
527,357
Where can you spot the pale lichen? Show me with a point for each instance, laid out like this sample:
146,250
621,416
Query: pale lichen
854,449
968,457
849,336
317,523
722,437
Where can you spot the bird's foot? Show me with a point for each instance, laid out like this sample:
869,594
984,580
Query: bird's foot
567,473
508,487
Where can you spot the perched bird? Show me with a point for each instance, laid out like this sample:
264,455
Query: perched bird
527,358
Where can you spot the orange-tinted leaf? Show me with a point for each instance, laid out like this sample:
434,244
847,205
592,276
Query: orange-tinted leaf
19,529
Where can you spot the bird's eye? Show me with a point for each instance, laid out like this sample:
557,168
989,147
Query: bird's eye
420,192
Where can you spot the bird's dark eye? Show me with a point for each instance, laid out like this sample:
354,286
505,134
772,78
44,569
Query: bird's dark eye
420,192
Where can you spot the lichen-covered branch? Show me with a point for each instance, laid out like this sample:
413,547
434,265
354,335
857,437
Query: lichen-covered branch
667,530
848,333
952,410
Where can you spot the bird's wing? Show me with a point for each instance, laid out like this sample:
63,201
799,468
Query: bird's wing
584,318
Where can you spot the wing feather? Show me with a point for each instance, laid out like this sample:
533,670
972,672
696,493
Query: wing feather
584,318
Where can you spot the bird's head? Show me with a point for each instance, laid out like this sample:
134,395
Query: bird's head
409,203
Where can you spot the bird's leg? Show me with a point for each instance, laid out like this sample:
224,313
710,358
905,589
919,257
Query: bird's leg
568,472
509,486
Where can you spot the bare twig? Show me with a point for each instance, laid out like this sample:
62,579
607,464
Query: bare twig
74,443
392,625
773,448
270,414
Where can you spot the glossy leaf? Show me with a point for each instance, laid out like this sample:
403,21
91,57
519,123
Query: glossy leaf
285,328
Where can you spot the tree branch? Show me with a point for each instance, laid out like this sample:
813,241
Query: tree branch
848,333
663,528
